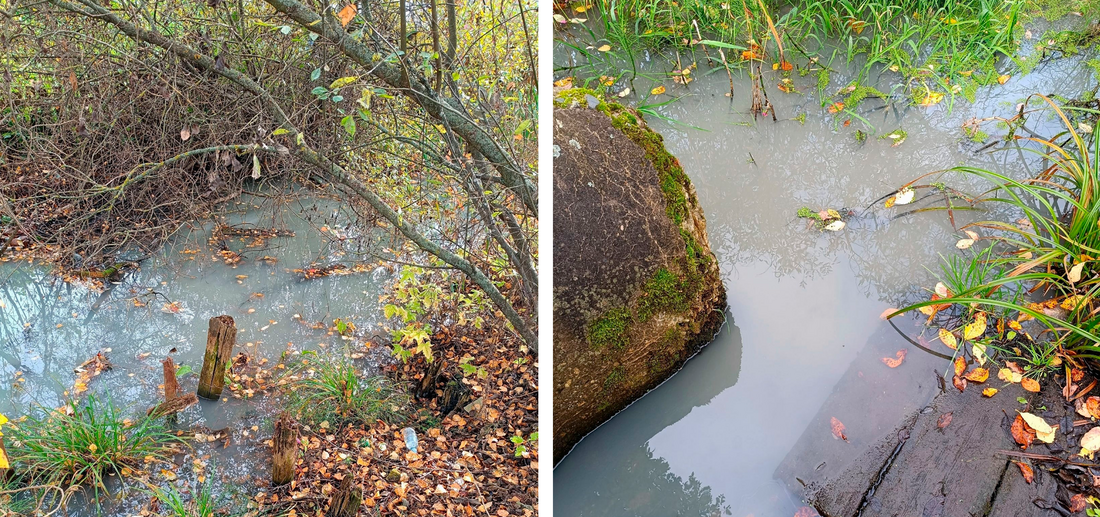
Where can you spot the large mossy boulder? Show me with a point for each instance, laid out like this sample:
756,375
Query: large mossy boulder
637,290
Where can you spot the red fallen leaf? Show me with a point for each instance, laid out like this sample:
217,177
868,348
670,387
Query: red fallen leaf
806,511
944,421
838,429
959,382
848,123
1077,503
1023,434
1025,469
894,363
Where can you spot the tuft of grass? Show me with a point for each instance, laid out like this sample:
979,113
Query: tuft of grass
202,503
86,442
333,390
1042,269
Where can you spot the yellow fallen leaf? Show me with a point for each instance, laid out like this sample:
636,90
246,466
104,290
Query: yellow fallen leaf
975,328
1043,431
890,202
931,99
949,339
977,375
658,90
964,243
1003,79
1073,302
604,48
989,392
1075,273
978,351
1007,375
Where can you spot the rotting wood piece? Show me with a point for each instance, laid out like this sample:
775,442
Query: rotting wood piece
173,406
286,449
220,340
171,384
346,500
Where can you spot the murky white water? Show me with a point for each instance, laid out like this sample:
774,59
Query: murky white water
724,435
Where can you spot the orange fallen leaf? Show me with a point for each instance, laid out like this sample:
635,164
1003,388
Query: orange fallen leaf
960,365
806,511
890,202
346,14
786,66
838,429
1025,469
989,392
1003,79
748,54
978,375
894,363
886,313
836,107
1093,405
1023,434
959,382
1030,384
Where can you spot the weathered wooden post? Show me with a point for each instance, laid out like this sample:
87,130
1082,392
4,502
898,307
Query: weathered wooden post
173,401
345,500
220,340
171,384
286,449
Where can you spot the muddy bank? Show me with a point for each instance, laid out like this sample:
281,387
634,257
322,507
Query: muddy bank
637,290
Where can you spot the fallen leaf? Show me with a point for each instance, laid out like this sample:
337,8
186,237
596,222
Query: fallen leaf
978,375
1022,433
806,511
904,196
959,382
1092,404
1077,503
972,234
658,90
836,107
1003,79
838,429
942,291
960,365
1030,384
604,48
1007,375
1043,431
978,351
949,339
890,201
624,93
989,392
1091,441
1073,302
944,420
1025,469
886,313
346,14
963,244
185,133
975,328
931,99
1075,273
894,363
835,226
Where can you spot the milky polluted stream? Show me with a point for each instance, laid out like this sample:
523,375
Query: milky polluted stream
735,430
49,327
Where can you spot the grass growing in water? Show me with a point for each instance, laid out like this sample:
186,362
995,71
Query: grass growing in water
333,390
1040,271
90,442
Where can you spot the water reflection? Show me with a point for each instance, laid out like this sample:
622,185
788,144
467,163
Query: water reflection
615,471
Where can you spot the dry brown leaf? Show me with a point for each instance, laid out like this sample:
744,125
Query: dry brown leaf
1023,434
944,420
959,382
1025,469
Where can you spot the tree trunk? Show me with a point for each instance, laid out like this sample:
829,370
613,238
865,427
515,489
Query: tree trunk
220,340
286,449
346,500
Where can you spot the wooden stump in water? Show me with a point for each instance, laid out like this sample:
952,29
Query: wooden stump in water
286,449
220,340
171,384
455,395
173,401
346,500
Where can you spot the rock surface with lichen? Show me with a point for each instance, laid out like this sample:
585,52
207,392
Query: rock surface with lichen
636,288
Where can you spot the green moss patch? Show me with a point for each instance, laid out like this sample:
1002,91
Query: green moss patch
665,291
610,329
